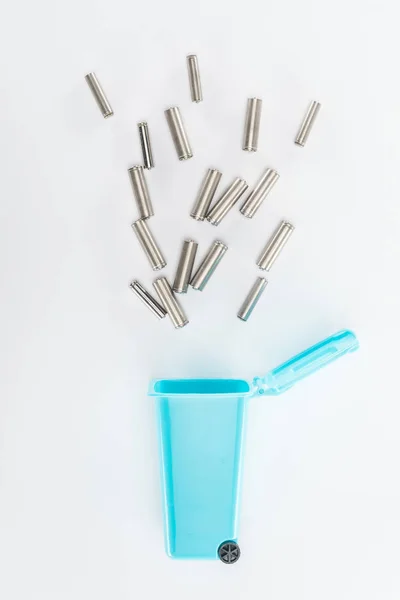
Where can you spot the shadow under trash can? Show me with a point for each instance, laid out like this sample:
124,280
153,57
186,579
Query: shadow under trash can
201,425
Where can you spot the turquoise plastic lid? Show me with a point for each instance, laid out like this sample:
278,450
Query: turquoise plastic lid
286,375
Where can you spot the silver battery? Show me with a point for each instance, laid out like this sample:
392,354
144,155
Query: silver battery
206,194
141,192
178,133
149,244
148,300
185,267
260,192
99,95
208,265
227,201
252,298
194,78
275,246
252,124
170,303
307,123
145,144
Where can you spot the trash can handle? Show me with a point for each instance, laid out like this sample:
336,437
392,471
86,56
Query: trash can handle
307,362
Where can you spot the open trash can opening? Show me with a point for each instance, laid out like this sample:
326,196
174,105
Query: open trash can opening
201,430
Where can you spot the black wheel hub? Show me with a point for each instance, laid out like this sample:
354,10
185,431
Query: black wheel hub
229,552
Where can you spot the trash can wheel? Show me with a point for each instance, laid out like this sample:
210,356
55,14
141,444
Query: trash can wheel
229,552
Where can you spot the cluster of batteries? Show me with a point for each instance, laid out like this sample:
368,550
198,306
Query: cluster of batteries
203,209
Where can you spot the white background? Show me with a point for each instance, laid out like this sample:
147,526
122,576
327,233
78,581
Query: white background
80,508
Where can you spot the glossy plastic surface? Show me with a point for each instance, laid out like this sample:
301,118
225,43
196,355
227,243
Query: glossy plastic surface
306,363
201,427
201,424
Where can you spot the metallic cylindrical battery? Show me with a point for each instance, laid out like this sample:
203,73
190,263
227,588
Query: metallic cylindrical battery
227,201
185,266
145,143
208,265
274,246
148,300
99,95
141,192
260,192
252,124
252,298
149,245
178,133
170,303
206,194
307,123
194,78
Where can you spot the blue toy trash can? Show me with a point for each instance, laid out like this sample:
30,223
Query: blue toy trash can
201,431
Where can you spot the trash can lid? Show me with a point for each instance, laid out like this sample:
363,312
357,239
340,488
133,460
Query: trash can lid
307,362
